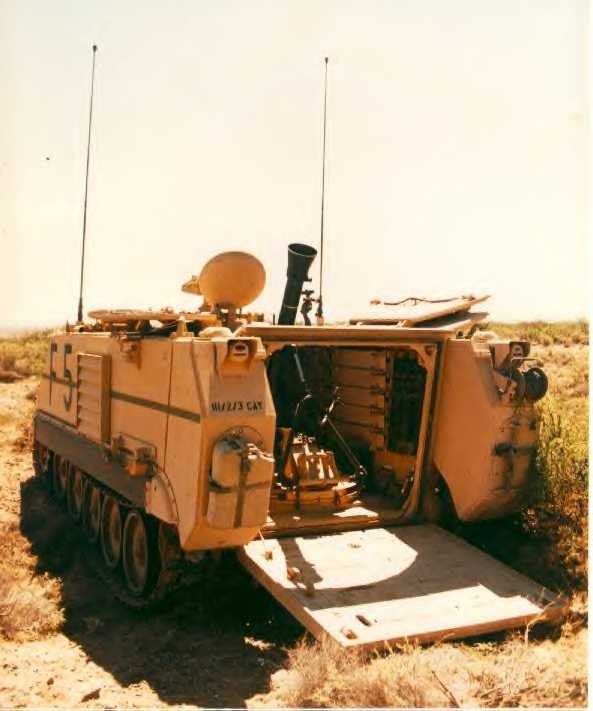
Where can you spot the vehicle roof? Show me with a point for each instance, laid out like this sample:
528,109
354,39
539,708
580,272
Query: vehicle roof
342,333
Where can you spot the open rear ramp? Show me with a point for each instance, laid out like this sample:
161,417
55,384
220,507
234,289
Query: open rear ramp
368,587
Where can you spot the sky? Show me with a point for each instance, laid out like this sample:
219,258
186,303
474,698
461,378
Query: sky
457,150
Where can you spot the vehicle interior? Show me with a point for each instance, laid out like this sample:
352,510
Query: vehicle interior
349,428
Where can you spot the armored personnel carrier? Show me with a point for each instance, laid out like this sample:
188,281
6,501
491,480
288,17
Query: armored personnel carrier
170,435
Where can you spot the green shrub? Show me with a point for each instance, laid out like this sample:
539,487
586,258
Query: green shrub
25,353
560,514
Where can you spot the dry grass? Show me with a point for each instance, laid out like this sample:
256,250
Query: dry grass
324,675
517,672
29,603
544,332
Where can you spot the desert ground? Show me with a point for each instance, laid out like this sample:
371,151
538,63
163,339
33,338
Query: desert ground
65,642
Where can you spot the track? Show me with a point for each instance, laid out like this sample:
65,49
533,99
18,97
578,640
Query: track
170,579
173,570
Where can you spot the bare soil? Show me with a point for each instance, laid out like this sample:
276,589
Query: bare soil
64,641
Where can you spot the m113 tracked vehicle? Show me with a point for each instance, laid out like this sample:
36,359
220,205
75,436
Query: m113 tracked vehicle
171,435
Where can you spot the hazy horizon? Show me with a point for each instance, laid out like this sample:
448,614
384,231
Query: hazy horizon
457,151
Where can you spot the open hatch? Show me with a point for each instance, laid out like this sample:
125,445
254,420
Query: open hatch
352,428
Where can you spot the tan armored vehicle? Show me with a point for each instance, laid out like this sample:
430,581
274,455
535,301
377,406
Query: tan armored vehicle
172,435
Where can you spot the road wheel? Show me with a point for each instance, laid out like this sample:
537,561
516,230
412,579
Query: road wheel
59,477
111,532
140,555
91,511
75,496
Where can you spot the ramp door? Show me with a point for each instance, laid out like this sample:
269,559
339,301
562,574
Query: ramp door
366,588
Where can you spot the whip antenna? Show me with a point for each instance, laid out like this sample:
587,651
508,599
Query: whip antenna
319,311
86,187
